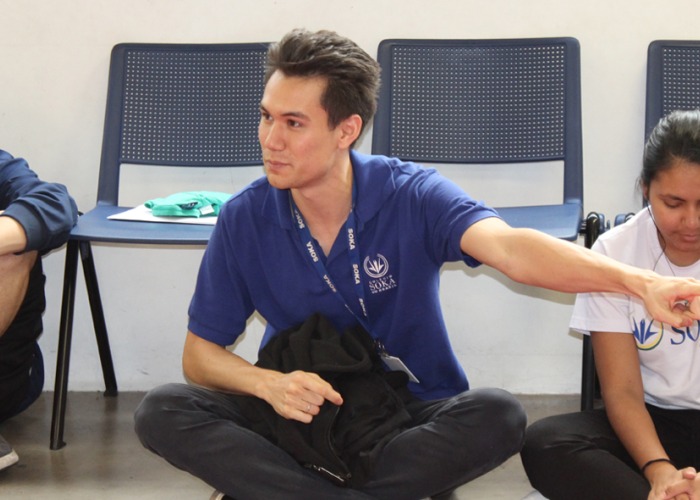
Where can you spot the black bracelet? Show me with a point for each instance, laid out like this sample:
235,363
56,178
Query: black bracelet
653,461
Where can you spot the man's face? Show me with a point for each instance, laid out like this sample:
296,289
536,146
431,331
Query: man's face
298,146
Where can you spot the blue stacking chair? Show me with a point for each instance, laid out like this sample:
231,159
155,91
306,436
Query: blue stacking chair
182,105
673,79
672,83
513,101
492,102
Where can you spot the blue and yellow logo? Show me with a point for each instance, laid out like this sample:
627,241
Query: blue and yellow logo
648,336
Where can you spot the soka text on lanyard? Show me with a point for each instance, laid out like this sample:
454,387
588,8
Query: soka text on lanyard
353,251
313,252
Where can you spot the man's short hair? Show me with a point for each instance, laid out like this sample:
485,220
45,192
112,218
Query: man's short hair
352,75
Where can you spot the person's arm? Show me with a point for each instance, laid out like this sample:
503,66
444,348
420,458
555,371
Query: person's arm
44,210
12,236
14,270
297,395
534,258
617,364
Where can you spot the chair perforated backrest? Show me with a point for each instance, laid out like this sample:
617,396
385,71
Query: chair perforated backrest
482,101
673,79
490,101
192,105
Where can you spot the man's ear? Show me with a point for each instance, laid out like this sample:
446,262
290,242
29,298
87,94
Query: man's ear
350,129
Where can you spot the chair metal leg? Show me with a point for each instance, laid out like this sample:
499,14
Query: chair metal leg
593,226
64,341
74,248
588,375
98,318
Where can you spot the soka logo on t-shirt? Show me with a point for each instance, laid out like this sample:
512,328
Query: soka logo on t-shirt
650,334
646,333
378,269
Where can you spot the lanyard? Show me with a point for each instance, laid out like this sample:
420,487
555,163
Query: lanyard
312,250
314,253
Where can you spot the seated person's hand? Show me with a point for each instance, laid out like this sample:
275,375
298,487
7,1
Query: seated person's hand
299,395
674,484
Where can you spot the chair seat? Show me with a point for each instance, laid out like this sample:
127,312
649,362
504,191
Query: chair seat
95,226
561,221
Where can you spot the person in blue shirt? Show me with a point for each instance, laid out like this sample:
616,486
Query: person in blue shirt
359,239
35,217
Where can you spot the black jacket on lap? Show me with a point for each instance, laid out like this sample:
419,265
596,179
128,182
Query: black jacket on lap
342,442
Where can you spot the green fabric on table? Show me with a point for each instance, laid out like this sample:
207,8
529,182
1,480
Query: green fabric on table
188,204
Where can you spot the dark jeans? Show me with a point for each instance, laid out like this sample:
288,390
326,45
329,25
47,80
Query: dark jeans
452,442
21,362
578,455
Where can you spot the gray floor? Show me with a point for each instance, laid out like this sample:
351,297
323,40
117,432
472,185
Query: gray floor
104,460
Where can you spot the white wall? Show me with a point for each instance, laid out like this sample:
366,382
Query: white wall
54,59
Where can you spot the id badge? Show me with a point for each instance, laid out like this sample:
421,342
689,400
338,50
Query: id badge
395,364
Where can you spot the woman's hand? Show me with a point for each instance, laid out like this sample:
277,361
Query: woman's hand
669,483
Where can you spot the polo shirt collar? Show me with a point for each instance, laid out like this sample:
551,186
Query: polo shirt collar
374,186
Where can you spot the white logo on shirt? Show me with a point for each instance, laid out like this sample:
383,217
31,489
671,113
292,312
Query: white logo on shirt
376,268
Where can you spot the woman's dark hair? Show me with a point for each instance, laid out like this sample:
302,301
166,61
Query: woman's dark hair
676,136
352,75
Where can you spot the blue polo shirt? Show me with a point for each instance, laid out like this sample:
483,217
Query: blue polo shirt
410,221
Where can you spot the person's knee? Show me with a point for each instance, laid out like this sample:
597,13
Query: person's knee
499,417
543,443
150,417
551,434
510,414
539,435
504,410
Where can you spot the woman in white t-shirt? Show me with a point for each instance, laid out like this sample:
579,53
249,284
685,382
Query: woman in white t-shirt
646,442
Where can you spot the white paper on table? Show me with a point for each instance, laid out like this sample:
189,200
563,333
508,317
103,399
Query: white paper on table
143,214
